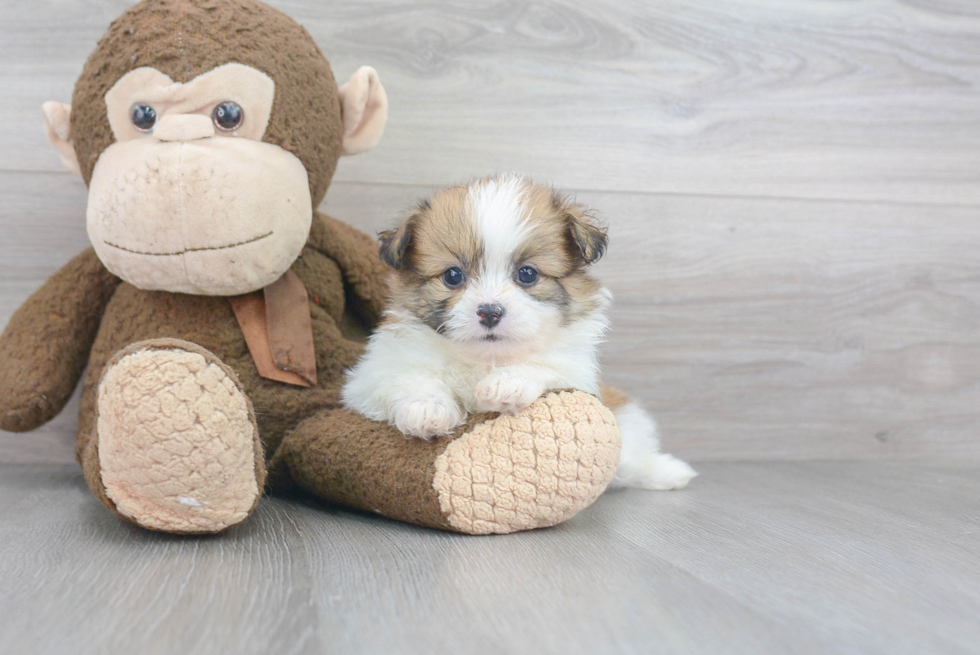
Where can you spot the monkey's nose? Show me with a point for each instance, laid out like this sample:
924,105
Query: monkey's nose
183,127
490,315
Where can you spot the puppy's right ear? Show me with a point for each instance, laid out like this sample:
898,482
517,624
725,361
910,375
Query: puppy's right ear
394,244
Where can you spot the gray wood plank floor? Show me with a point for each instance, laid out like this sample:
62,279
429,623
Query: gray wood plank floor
860,557
793,193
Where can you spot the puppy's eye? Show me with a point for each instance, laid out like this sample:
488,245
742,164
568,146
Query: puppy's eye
453,277
144,117
228,116
527,275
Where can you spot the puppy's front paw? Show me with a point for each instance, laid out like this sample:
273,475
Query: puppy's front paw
427,417
506,392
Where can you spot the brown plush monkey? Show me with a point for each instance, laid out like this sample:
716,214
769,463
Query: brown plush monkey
217,309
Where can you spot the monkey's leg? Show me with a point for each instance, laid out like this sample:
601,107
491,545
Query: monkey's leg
495,475
175,445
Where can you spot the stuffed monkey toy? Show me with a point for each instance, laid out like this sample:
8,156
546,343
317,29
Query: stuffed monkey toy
217,309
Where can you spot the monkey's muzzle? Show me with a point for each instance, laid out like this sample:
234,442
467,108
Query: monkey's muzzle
198,214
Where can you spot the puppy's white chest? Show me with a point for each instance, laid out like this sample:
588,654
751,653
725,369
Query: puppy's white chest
463,378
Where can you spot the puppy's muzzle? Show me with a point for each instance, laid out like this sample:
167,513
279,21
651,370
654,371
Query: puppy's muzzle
490,315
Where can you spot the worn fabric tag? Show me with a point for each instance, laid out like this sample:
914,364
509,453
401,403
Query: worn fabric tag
278,330
287,316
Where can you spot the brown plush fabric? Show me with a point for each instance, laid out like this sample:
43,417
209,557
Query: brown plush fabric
87,454
357,255
135,315
553,461
311,441
45,346
345,458
185,38
493,475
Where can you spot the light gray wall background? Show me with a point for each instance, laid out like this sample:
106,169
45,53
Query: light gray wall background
792,189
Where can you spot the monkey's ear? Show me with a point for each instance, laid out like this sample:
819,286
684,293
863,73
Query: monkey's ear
57,124
393,244
365,109
586,233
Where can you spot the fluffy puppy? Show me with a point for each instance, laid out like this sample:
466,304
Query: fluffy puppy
492,305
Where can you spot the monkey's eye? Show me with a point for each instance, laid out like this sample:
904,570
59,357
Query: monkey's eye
144,117
228,116
453,277
527,275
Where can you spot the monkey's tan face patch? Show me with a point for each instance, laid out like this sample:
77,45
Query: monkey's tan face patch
220,217
251,89
188,207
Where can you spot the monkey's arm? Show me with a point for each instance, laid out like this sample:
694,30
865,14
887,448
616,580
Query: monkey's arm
44,348
357,255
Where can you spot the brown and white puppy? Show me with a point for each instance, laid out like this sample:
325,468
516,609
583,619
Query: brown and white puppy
492,305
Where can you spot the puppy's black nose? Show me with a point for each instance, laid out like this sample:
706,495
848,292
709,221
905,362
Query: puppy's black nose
490,314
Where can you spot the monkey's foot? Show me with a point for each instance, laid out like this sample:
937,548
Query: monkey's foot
492,475
178,444
532,470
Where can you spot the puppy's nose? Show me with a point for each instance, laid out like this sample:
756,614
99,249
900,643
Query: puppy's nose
490,314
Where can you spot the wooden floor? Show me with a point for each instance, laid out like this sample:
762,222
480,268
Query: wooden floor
793,196
859,557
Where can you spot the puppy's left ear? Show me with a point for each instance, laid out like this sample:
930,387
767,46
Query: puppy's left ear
585,231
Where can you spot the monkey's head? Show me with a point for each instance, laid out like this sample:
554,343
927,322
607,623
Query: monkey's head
207,132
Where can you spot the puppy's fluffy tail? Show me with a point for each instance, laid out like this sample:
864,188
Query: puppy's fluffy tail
641,464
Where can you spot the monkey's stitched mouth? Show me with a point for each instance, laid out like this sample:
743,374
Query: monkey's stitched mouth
181,252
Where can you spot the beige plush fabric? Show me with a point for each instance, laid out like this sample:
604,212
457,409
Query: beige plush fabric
533,470
365,110
219,216
177,442
57,126
253,90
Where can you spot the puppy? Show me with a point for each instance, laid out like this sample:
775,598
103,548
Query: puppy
492,305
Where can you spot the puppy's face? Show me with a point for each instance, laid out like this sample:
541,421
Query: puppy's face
500,263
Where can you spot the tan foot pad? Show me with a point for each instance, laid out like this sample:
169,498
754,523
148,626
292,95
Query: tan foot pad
499,478
177,442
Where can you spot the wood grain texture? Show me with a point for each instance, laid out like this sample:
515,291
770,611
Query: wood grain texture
781,328
753,558
792,192
854,100
752,328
